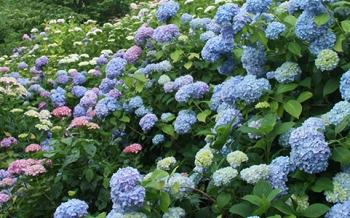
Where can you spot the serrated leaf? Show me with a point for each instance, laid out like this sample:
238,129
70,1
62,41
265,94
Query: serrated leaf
304,96
345,24
223,199
331,86
341,154
89,175
293,107
322,18
294,48
282,88
315,210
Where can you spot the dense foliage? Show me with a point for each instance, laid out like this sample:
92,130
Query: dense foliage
193,108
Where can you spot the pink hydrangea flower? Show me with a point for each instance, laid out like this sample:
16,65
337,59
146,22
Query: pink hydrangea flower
63,111
34,170
4,198
4,69
78,122
25,37
18,166
132,54
133,148
6,142
33,148
7,182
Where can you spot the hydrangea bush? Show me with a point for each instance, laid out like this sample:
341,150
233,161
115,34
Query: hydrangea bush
181,109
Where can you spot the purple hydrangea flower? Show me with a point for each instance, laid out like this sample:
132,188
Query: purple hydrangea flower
143,33
41,62
58,99
101,61
167,10
22,65
63,79
166,33
73,208
89,99
114,93
79,78
148,121
186,18
132,54
115,68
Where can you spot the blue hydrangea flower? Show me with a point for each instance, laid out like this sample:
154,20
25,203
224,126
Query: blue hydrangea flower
240,20
164,116
73,208
148,121
316,123
157,139
339,111
229,88
340,210
63,79
226,116
306,29
115,67
79,111
227,67
198,23
345,85
78,91
184,121
183,181
186,18
214,27
61,73
106,105
283,139
107,85
216,97
254,60
250,89
325,41
166,33
135,102
206,36
183,80
126,194
224,176
226,12
36,88
274,29
218,45
175,212
142,111
258,6
280,167
15,75
341,188
41,62
326,60
287,72
164,66
193,90
167,10
79,78
58,99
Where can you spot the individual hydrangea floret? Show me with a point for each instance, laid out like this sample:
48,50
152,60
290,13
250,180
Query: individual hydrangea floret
165,163
148,121
274,29
184,121
73,208
253,174
287,72
236,158
224,176
167,10
157,139
326,60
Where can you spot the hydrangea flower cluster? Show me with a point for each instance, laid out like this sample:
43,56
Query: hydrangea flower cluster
157,139
194,90
236,158
341,210
226,116
32,148
287,72
274,29
73,208
166,33
203,159
78,91
132,54
257,6
283,139
310,151
107,85
256,124
115,68
325,41
253,174
133,148
184,121
345,85
183,181
224,176
225,13
143,33
198,23
79,79
337,114
6,142
175,212
105,106
89,99
165,163
126,194
57,97
254,60
341,188
41,62
326,60
186,18
148,121
207,35
164,116
167,10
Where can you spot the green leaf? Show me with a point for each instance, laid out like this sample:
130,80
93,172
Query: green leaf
157,174
140,76
101,215
322,18
223,199
306,82
293,107
322,184
262,37
154,185
67,141
341,154
176,55
304,96
164,201
125,119
282,88
262,188
176,187
89,175
273,194
188,65
342,125
129,81
265,205
345,24
71,159
294,48
106,172
315,210
281,128
159,54
261,144
246,129
241,209
252,199
290,20
339,43
90,149
205,132
168,129
283,207
203,115
139,86
268,123
331,86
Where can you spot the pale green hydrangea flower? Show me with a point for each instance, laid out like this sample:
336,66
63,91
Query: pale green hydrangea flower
224,176
341,188
32,113
236,158
263,104
42,127
204,158
165,163
163,79
253,174
44,115
326,60
16,110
